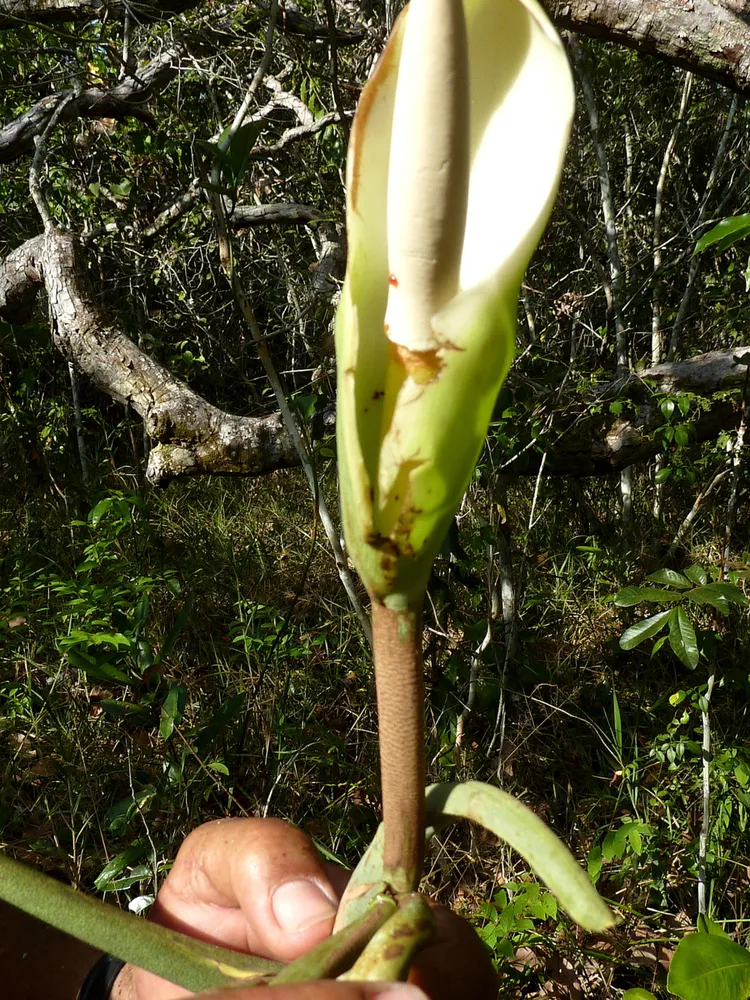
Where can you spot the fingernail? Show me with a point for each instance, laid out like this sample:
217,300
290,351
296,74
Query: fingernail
299,905
395,991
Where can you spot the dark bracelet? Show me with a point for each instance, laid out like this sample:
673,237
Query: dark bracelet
101,978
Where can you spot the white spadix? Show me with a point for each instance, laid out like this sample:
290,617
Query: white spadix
428,172
454,162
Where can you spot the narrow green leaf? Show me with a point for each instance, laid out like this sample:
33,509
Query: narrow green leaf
724,234
682,638
188,962
641,631
515,823
657,645
507,818
98,512
670,578
709,967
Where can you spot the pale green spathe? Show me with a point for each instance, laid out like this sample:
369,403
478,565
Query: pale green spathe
415,400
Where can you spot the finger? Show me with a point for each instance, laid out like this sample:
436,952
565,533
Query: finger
254,885
322,990
455,965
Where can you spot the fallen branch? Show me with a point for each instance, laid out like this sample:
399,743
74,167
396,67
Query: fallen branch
191,435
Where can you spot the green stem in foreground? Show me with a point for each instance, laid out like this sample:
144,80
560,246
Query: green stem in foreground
399,683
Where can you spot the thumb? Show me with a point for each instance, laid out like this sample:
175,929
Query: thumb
322,990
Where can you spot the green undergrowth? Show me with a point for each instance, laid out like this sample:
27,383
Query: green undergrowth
174,656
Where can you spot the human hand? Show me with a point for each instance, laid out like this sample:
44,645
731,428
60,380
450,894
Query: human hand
259,886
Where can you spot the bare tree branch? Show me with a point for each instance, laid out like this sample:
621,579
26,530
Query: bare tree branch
707,37
191,435
127,99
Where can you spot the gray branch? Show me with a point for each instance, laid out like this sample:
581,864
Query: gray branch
190,435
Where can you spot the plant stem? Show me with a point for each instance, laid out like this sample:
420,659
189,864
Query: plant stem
399,682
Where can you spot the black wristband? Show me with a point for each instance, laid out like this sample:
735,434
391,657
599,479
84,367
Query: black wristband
101,979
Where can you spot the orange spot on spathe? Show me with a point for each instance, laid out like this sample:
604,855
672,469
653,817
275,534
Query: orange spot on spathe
393,281
421,366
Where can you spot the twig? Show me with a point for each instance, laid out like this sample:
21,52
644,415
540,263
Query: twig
615,264
35,184
693,512
492,610
695,263
78,421
293,134
656,331
331,18
706,790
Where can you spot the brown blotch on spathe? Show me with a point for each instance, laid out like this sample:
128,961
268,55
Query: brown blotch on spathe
421,366
394,951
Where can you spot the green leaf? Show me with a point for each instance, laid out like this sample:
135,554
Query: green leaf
747,276
667,408
729,592
507,818
662,475
724,234
641,631
697,574
240,146
630,596
100,510
172,709
117,865
100,670
707,595
705,925
638,994
682,435
515,823
670,578
682,638
709,967
188,962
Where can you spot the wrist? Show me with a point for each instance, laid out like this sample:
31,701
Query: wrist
123,987
106,981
